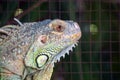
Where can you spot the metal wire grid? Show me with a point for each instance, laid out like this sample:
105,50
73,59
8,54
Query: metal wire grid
86,62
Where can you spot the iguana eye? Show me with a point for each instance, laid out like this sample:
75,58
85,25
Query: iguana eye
41,60
57,25
59,28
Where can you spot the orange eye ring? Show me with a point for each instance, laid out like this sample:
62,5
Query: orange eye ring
57,25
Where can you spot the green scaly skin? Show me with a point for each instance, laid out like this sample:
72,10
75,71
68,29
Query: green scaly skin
29,51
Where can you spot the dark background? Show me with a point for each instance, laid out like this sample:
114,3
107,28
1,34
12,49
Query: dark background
97,57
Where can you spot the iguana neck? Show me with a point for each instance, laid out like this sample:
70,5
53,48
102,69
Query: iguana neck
44,74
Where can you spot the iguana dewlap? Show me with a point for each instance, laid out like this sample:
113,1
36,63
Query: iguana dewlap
29,51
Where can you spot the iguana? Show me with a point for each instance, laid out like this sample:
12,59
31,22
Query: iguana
28,51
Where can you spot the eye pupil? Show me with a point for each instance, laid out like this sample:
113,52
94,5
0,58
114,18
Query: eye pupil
59,28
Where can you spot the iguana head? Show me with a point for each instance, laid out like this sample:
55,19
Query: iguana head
52,40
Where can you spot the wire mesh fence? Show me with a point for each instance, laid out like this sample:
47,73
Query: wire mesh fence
97,57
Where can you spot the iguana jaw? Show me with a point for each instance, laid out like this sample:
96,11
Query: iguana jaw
63,52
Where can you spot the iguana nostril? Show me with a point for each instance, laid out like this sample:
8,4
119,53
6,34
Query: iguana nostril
76,25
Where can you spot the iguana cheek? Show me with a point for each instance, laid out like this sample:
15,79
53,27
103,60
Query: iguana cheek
41,60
